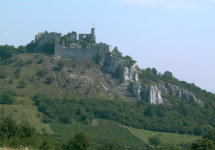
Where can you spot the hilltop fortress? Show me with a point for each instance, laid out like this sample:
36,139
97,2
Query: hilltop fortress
72,50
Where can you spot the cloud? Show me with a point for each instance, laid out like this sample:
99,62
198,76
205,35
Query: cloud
171,4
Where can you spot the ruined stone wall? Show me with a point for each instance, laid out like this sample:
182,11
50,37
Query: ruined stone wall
45,37
79,53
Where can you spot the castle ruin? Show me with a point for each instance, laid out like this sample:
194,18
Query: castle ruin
72,50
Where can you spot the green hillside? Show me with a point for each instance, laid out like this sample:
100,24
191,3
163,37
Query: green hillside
62,99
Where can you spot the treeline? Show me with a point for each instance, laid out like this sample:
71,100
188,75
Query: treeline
182,117
24,135
148,76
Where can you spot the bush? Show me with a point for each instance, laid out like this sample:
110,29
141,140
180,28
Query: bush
40,61
22,83
2,74
21,49
155,140
42,73
203,144
60,64
79,142
49,80
6,98
29,61
17,73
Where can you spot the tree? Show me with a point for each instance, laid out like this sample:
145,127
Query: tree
198,130
6,98
7,51
149,111
155,140
21,49
22,83
167,74
42,73
30,46
60,63
202,144
210,134
154,71
79,142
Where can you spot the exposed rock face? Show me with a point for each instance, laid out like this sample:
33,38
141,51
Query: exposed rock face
152,94
136,89
174,90
163,89
114,66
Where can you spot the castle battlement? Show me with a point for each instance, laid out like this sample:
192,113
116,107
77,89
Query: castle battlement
72,50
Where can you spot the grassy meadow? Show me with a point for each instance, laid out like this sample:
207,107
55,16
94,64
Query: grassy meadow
167,138
100,131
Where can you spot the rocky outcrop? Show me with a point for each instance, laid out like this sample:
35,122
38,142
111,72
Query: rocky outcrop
136,89
116,67
174,90
182,93
163,89
152,94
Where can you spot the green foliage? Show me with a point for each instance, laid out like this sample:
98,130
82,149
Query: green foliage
203,144
79,142
13,135
167,75
169,147
155,140
2,74
30,47
40,61
116,52
8,97
42,73
49,80
159,118
29,61
22,83
147,76
21,49
17,72
47,144
130,60
149,111
84,44
10,81
7,51
154,71
108,146
60,63
210,134
48,47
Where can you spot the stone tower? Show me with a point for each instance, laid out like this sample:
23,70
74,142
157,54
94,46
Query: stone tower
93,35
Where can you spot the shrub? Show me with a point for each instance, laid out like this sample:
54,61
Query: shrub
60,64
2,74
29,61
42,73
40,61
79,142
6,98
155,140
17,73
22,83
49,80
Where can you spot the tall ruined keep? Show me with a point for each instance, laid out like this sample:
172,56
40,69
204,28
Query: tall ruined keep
72,50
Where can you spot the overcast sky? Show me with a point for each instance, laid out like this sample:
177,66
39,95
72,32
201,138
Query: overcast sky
173,35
